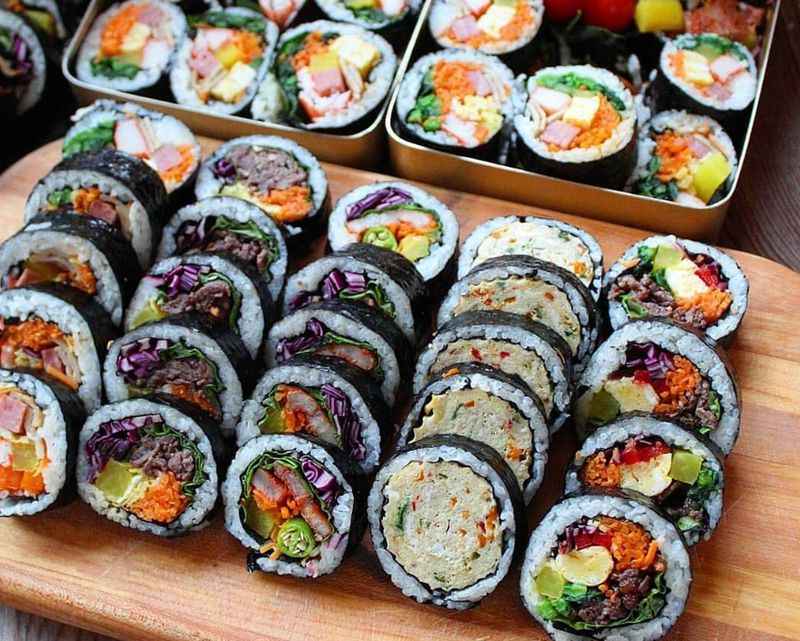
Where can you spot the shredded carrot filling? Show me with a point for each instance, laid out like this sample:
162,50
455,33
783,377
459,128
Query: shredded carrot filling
248,44
34,334
28,483
163,502
117,28
713,303
674,153
676,59
597,472
295,203
196,397
511,31
312,45
451,80
83,198
681,383
175,174
603,125
631,545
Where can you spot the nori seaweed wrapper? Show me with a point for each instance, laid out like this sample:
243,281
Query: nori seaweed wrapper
348,470
135,174
106,239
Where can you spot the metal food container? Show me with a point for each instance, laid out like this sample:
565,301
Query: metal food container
365,148
416,162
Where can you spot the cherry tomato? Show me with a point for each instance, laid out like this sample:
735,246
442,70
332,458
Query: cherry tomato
614,15
709,274
562,10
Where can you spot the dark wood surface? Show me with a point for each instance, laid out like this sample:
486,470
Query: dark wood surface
764,219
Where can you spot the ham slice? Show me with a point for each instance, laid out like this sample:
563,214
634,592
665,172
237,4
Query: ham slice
104,211
166,157
327,82
12,414
719,92
464,28
698,147
155,54
477,7
479,83
204,63
550,100
725,67
559,133
151,15
461,130
129,137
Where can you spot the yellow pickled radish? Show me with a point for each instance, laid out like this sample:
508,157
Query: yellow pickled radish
659,15
590,566
712,171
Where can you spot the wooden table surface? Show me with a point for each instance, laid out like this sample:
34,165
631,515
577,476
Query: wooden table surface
764,219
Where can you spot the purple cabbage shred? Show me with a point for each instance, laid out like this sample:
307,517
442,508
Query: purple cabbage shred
137,360
114,439
347,422
311,337
386,197
179,279
325,483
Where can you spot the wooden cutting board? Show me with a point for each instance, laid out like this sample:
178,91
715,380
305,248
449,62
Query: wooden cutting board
74,566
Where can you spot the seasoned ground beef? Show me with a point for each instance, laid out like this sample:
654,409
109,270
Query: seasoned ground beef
213,299
265,169
154,455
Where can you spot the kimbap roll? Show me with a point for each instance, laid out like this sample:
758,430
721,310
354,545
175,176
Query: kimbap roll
658,367
110,185
554,241
39,425
369,342
323,398
206,366
495,27
327,75
160,140
577,123
488,406
150,465
223,60
605,566
43,15
23,72
367,274
280,12
400,217
294,503
277,174
456,101
58,333
223,290
691,283
710,75
684,158
680,471
511,343
83,253
130,45
223,224
377,15
447,519
533,288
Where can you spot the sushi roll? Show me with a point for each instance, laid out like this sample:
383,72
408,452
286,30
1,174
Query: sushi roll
495,27
515,345
225,291
577,123
223,60
605,566
23,74
680,471
367,341
485,404
400,217
658,367
130,46
224,224
280,12
327,76
367,274
39,425
554,241
284,179
467,525
58,333
691,283
206,366
294,502
151,465
324,398
110,185
686,159
538,290
83,253
384,16
707,74
473,122
160,140
44,16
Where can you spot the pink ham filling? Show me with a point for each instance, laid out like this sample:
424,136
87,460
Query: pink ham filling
12,414
166,157
559,133
465,28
